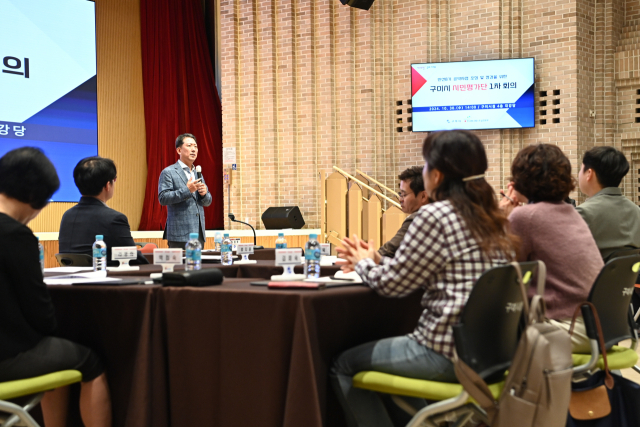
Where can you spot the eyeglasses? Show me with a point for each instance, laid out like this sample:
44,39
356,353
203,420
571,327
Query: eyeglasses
402,195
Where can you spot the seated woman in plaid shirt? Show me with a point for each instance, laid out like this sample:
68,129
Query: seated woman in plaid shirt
447,247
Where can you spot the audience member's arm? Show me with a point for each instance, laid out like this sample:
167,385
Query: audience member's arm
584,213
120,235
420,256
26,280
520,224
510,199
167,194
389,249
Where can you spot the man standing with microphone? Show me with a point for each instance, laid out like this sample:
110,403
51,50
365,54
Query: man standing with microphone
182,190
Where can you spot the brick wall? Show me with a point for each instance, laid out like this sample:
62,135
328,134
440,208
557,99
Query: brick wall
309,85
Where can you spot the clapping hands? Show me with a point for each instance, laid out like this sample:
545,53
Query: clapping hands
355,250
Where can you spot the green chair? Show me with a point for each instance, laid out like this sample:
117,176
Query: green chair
611,294
485,339
30,386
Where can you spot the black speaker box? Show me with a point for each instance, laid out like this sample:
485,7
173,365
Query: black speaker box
360,4
276,218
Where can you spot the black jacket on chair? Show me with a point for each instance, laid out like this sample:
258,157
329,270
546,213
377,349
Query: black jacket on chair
90,217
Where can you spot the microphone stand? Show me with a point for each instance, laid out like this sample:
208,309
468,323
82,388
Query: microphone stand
232,217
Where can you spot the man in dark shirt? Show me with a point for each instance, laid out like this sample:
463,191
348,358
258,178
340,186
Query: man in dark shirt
28,345
412,196
95,177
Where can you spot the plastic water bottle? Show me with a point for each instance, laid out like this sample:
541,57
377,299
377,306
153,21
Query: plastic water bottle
41,255
99,254
281,242
312,257
226,257
193,253
217,240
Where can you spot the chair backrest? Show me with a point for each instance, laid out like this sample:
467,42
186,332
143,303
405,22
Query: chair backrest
76,260
611,294
148,248
622,252
487,335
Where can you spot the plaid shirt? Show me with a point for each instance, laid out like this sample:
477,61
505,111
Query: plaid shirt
440,255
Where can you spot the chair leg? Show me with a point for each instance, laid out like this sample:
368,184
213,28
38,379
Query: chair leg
459,417
436,408
402,404
636,368
19,414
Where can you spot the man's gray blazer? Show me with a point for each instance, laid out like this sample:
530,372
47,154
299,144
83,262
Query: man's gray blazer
613,220
185,210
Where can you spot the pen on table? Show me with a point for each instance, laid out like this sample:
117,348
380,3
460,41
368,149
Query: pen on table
346,279
509,198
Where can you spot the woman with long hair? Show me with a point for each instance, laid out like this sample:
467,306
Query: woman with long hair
450,243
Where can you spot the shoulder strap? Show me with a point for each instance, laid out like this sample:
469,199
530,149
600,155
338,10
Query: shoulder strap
476,387
534,312
603,351
542,277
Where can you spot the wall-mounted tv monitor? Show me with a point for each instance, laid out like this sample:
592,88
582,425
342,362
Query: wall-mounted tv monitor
48,96
473,95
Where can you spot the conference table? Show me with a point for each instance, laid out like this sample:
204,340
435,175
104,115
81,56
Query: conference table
227,355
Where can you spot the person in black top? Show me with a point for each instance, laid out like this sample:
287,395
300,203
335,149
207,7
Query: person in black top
95,177
28,346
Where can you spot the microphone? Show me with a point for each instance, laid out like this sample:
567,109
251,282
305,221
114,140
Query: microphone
198,172
232,217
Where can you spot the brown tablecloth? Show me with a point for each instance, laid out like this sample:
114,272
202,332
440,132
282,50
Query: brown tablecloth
228,355
119,324
240,355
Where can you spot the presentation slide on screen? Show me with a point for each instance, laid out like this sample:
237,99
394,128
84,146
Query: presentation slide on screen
473,95
48,96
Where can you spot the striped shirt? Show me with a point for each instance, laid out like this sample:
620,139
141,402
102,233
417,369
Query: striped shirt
438,254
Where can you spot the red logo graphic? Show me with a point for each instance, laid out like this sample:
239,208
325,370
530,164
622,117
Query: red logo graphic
417,81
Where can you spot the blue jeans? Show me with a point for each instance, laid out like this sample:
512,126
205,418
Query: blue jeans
398,356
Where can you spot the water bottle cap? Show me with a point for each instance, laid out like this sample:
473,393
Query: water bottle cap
193,236
280,234
99,237
38,238
313,236
226,234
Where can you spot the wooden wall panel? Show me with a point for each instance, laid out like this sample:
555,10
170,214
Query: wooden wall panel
121,129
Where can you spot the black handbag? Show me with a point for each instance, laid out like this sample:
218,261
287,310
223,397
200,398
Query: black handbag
604,399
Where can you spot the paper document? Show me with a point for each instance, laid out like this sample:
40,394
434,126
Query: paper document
94,276
67,269
328,259
352,277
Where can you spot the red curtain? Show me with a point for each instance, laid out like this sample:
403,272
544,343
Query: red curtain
179,97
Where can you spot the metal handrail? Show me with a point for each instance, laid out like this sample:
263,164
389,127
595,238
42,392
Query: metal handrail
393,202
377,182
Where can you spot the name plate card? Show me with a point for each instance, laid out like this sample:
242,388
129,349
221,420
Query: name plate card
244,249
167,258
124,253
234,244
325,249
287,257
